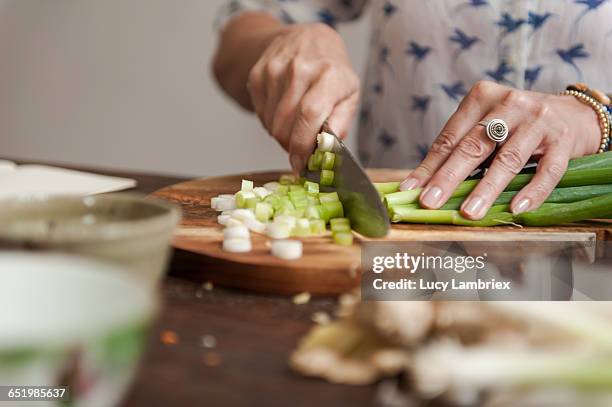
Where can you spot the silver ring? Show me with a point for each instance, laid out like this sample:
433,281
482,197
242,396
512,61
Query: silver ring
497,129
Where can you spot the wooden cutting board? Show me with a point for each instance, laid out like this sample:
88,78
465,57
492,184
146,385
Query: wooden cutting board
325,268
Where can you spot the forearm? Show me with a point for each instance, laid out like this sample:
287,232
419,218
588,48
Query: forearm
241,44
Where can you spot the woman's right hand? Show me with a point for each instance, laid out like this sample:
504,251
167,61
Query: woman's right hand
303,78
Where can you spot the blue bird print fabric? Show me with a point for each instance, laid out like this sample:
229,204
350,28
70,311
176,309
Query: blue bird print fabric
425,55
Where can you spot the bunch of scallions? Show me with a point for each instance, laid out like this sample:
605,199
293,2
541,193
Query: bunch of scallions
584,192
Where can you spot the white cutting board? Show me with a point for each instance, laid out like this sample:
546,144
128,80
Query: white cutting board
24,181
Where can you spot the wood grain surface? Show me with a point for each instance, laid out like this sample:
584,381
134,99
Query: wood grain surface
325,268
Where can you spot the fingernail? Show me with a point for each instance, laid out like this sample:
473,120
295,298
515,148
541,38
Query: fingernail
474,207
408,184
522,206
296,163
431,197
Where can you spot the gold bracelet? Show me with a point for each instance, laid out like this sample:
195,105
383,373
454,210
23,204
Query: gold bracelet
602,115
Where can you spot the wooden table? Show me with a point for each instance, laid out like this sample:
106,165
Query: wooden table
253,333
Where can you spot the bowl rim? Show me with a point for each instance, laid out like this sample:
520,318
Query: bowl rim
117,230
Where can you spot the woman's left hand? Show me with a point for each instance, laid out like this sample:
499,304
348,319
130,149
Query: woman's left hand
551,127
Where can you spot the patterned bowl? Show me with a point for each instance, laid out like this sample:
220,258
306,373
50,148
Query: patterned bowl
125,228
70,321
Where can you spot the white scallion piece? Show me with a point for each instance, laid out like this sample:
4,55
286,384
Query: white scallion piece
243,215
278,230
246,185
237,245
236,232
225,196
271,186
233,222
255,225
223,219
325,141
261,192
225,204
287,249
286,219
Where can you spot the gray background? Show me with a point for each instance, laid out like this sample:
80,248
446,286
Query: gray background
126,84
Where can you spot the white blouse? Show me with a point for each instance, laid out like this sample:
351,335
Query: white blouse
426,54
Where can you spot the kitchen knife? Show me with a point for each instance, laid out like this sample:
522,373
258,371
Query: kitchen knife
361,202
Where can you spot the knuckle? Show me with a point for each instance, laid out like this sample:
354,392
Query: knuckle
516,98
511,160
309,111
555,171
487,187
274,69
448,173
471,148
543,111
298,67
540,191
444,144
254,80
481,89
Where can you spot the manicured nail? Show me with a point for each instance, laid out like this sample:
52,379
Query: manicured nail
431,197
408,184
522,206
474,207
296,163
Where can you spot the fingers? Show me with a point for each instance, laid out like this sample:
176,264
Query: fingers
468,154
330,90
508,162
257,90
481,99
342,116
549,172
287,107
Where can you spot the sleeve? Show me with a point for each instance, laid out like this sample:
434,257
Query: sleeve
296,11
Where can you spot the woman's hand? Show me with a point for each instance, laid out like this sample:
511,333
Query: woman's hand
304,77
550,127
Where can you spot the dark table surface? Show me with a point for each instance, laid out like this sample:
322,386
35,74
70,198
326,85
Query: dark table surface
254,335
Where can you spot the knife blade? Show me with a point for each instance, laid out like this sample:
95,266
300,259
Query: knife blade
361,202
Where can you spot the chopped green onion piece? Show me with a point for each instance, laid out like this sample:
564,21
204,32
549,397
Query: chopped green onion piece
312,164
246,185
325,141
385,188
328,161
332,210
252,202
299,212
311,187
327,178
314,212
288,220
282,190
263,211
343,238
317,226
340,228
312,200
287,179
340,221
293,188
302,228
242,196
329,197
297,195
261,192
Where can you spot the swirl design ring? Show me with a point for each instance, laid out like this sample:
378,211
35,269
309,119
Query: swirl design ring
497,129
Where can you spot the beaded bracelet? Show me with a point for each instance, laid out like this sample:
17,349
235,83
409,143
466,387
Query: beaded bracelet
601,109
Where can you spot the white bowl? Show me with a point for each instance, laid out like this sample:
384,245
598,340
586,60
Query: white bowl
125,228
71,321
